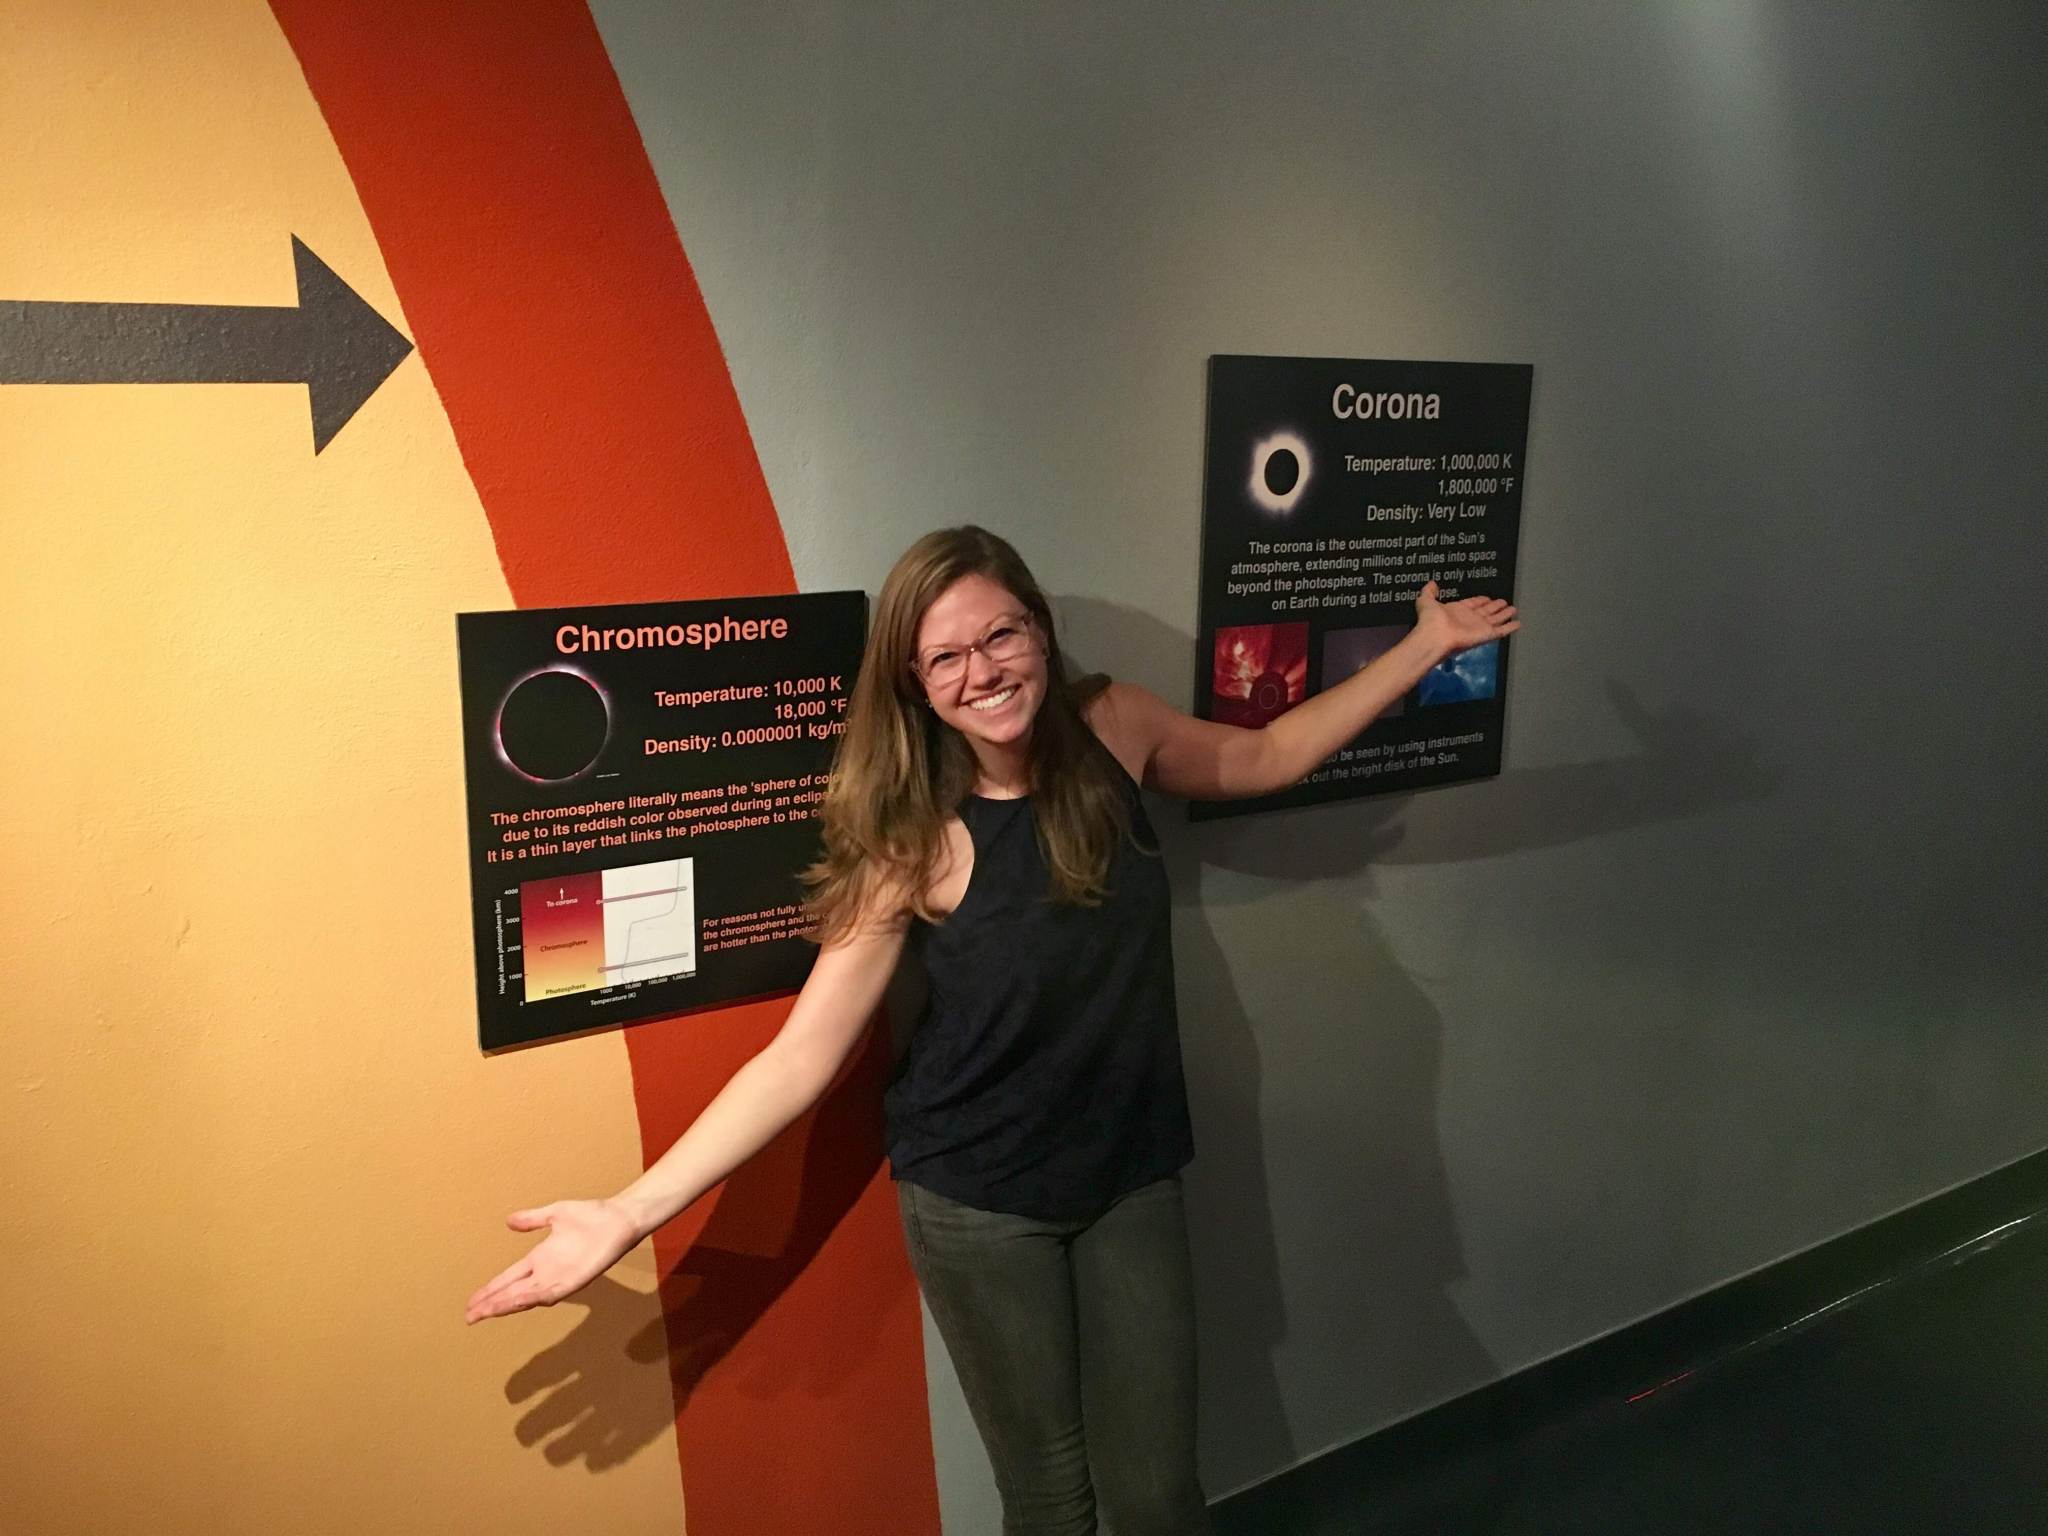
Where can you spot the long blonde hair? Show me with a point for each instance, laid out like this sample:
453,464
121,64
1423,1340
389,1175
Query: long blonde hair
900,772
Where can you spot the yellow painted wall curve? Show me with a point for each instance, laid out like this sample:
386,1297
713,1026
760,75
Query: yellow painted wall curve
254,1159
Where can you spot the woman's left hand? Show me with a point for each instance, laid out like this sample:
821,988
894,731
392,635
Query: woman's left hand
1458,626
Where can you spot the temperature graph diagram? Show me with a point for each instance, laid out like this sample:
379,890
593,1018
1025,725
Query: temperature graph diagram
609,927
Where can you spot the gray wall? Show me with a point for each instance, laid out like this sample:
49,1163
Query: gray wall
1745,947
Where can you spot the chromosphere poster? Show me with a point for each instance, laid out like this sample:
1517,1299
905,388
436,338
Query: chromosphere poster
643,790
1333,490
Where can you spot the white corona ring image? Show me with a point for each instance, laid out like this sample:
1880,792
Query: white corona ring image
1280,471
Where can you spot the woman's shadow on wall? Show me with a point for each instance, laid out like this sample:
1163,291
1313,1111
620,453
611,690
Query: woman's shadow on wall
1353,1101
1348,1085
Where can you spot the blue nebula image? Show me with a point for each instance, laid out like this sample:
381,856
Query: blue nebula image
1464,677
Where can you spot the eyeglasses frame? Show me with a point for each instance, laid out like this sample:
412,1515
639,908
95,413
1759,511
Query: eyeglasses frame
1022,620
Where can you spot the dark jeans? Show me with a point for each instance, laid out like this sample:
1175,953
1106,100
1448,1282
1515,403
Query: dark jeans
1075,1345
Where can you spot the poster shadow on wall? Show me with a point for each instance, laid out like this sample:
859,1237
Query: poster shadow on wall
1366,1194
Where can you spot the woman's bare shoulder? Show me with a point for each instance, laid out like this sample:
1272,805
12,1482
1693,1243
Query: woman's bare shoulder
1124,718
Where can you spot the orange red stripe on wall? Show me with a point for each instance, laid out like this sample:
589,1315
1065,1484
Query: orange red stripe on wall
555,309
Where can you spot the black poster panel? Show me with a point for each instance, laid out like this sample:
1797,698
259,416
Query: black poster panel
643,790
1332,491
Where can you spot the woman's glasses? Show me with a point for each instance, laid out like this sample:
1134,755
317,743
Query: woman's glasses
944,665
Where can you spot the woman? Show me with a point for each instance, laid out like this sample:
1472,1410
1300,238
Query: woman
983,809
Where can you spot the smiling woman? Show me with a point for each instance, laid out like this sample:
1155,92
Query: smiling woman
983,812
962,691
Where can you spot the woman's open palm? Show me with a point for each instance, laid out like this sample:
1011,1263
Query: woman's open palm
585,1238
1460,625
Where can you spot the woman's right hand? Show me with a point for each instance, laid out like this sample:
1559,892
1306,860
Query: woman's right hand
585,1238
782,1080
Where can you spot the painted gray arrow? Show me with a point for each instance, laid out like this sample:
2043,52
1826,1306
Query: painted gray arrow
331,341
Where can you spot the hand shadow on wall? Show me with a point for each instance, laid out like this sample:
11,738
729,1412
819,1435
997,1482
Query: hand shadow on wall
773,1216
585,1411
1367,1195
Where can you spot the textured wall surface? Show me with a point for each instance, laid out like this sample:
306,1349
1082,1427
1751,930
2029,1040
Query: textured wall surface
254,1161
1744,948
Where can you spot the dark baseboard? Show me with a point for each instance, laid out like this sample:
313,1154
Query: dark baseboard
1663,1352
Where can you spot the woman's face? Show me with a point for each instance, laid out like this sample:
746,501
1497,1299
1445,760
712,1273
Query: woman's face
984,698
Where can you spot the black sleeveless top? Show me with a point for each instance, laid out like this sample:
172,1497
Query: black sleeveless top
1045,1077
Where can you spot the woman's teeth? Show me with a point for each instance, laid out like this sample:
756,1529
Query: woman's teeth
994,700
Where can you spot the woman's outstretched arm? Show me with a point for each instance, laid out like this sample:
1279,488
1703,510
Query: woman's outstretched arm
785,1078
1202,760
